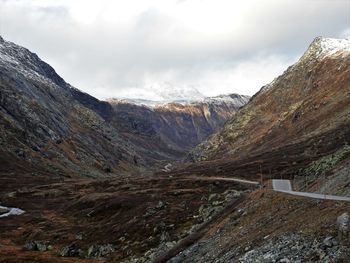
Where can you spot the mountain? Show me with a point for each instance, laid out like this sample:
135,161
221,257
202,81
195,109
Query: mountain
171,129
48,125
300,117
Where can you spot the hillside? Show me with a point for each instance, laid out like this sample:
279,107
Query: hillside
299,118
309,99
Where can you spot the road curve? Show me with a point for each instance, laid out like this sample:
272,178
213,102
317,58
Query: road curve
284,186
224,179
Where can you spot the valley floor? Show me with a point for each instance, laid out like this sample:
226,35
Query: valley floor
143,219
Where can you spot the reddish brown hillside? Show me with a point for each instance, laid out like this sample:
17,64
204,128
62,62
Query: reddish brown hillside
309,99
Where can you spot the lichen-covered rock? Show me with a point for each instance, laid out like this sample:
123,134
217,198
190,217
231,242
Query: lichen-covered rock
72,250
37,245
343,222
98,251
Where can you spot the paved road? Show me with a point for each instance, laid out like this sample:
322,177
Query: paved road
225,179
11,211
284,186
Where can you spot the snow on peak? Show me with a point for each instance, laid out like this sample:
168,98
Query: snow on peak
236,99
27,63
327,47
330,46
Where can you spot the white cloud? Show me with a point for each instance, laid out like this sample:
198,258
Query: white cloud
112,48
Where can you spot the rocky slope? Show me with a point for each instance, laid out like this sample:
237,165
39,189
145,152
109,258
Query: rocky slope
171,129
46,125
293,122
310,98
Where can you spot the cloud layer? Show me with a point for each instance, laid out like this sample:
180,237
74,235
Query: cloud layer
124,48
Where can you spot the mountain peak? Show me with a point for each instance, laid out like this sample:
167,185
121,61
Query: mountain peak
326,47
27,63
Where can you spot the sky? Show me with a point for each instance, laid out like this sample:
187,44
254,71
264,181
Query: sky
152,48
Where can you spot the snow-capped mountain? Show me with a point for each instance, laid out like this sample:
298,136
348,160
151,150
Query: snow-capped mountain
235,99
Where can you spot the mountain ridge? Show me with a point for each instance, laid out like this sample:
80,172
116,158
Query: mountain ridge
295,94
47,122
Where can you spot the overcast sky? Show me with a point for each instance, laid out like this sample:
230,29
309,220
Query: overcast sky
140,48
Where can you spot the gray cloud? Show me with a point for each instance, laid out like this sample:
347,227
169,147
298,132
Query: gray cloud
107,58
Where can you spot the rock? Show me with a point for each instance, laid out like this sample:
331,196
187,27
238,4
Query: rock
212,197
159,227
328,241
160,205
98,251
20,153
164,237
284,260
150,211
73,250
343,222
231,194
37,245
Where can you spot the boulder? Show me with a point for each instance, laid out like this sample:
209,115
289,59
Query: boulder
343,223
98,251
72,250
37,245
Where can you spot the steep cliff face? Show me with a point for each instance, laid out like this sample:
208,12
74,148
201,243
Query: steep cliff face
309,99
172,129
45,123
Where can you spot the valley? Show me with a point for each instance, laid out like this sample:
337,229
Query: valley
184,181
